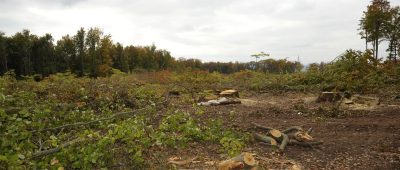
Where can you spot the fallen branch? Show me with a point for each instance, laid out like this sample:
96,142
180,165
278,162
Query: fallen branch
116,115
40,154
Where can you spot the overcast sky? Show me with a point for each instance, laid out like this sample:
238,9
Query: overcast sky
210,30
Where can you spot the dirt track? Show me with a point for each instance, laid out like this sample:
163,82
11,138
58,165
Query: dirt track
354,140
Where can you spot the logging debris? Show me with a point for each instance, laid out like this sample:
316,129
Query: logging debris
294,135
359,102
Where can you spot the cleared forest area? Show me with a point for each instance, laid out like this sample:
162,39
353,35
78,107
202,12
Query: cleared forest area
89,103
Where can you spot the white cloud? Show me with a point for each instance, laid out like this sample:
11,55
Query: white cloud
211,30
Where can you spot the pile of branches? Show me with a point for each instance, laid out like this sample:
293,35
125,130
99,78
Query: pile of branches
294,135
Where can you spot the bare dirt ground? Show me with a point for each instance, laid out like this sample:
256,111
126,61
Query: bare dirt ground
358,139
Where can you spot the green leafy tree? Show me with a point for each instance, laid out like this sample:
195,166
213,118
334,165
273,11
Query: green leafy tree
130,52
3,54
120,60
392,33
92,42
19,48
260,55
105,55
257,56
372,23
79,41
43,60
65,54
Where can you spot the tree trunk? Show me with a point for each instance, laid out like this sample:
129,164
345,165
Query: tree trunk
4,63
366,40
395,50
376,48
81,72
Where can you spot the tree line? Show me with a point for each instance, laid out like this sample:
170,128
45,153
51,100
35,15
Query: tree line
88,52
93,53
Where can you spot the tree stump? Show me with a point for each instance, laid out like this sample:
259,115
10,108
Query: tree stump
329,97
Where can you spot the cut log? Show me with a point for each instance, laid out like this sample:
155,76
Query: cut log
276,134
284,142
229,93
266,139
348,101
230,165
244,160
245,157
302,136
